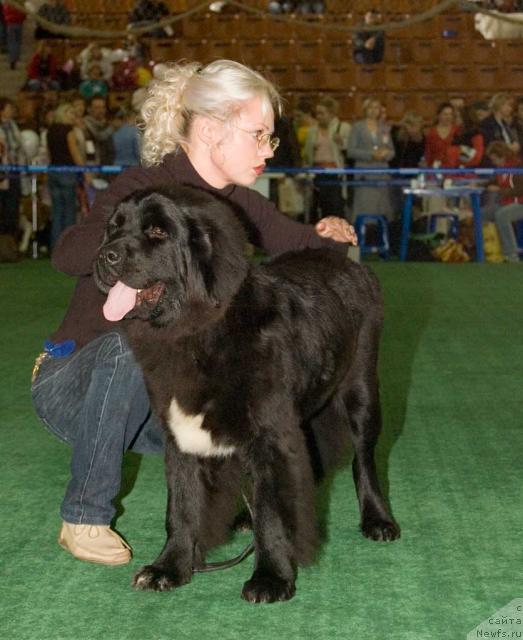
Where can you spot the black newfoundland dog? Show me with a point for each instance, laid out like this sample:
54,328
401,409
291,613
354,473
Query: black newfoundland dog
259,373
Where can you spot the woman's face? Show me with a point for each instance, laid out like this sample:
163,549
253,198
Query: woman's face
323,116
446,116
69,116
373,111
79,107
236,157
506,110
7,112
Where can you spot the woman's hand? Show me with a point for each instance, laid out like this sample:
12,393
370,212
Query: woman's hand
337,229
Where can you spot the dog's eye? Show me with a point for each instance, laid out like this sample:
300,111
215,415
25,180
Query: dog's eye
156,232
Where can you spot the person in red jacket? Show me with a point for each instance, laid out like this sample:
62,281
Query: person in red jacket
438,139
42,73
14,22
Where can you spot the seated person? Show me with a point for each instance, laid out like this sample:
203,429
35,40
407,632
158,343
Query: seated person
369,46
509,187
42,72
95,85
95,54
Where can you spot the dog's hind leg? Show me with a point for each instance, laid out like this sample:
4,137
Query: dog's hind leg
173,567
361,397
283,508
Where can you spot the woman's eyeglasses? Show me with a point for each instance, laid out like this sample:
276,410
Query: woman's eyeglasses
263,139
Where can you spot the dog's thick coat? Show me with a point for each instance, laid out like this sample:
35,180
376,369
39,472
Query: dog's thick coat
261,371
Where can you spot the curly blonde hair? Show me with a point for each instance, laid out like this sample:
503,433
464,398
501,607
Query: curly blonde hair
187,89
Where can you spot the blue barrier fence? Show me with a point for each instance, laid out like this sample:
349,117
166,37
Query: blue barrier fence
410,171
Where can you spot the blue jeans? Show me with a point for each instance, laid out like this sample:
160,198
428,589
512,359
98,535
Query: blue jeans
62,188
504,217
96,401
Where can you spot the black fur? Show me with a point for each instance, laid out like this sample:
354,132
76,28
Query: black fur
277,358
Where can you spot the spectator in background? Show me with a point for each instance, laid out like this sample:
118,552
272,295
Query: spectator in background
408,139
286,154
369,46
481,109
126,138
42,72
370,145
95,85
517,123
95,54
99,132
438,139
14,24
509,188
54,11
467,147
11,150
497,127
325,147
63,150
303,119
150,12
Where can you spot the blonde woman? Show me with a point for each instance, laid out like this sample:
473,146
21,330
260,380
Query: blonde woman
370,146
207,126
63,147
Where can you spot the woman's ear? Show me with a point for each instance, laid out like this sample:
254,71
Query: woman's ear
206,130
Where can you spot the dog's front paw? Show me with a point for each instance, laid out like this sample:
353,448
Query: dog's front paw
266,588
380,529
153,578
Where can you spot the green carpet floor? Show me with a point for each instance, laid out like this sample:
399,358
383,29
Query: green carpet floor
450,459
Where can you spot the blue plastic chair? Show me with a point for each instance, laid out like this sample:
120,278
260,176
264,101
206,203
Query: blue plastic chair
382,244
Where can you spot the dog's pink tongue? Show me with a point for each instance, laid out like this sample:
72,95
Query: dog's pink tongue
120,300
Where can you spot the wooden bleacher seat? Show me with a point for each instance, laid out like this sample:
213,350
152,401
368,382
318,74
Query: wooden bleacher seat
510,51
511,78
276,52
454,51
250,52
309,77
280,29
457,77
307,52
426,77
483,51
252,26
337,51
162,49
369,78
423,51
118,6
219,49
397,77
223,25
281,74
336,77
397,51
486,77
196,26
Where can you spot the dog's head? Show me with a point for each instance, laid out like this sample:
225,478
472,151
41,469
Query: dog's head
170,252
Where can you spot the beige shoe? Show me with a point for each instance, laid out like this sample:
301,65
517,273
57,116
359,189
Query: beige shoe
94,543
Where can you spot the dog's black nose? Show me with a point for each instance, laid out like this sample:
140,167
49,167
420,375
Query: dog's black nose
112,256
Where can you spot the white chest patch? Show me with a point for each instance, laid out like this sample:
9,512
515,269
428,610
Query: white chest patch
190,437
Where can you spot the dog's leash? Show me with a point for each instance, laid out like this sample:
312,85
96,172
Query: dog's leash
226,564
